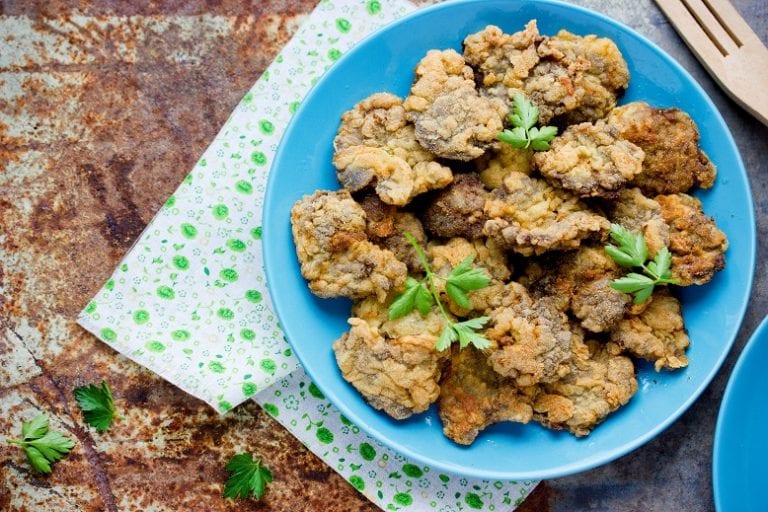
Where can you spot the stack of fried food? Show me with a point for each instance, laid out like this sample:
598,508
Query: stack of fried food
562,339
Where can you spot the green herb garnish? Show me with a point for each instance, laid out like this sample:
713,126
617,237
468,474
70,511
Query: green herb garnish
247,477
632,252
524,133
97,405
42,447
421,295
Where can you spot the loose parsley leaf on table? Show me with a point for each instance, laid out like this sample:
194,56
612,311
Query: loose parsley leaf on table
632,252
42,447
524,132
247,477
421,295
97,405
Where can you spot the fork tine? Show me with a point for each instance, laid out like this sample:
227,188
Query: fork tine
725,42
732,21
694,35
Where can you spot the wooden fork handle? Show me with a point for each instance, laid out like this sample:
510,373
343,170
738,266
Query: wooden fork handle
723,42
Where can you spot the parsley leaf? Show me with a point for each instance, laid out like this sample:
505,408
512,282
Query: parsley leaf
466,332
97,405
524,132
516,137
632,252
35,428
42,447
415,295
467,278
447,337
247,477
457,295
422,295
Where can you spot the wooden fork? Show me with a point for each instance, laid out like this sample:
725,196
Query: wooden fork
727,47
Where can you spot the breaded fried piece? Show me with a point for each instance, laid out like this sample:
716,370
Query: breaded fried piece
597,384
379,121
640,214
500,161
336,258
445,257
395,365
452,120
598,305
473,396
457,210
580,282
673,160
502,61
577,78
697,245
379,216
485,253
385,226
376,146
657,334
529,216
590,160
395,181
499,295
400,246
533,342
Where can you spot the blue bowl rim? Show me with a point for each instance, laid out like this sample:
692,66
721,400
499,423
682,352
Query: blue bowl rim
570,469
730,391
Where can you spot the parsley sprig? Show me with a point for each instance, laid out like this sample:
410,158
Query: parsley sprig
632,252
247,477
41,446
524,133
421,295
97,405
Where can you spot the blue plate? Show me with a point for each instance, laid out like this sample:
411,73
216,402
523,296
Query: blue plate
740,465
385,62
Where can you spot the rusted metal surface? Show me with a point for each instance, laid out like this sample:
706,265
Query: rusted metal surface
104,107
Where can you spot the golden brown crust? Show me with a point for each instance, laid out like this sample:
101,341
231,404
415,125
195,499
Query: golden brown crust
473,396
494,166
570,78
657,334
379,121
529,216
395,367
580,282
590,160
376,147
501,59
577,79
395,181
696,243
533,342
640,214
336,258
673,160
379,216
452,120
457,210
485,253
597,384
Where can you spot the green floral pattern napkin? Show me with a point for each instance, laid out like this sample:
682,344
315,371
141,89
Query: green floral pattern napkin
189,300
388,479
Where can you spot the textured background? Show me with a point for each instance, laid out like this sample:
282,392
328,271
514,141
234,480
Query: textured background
104,107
